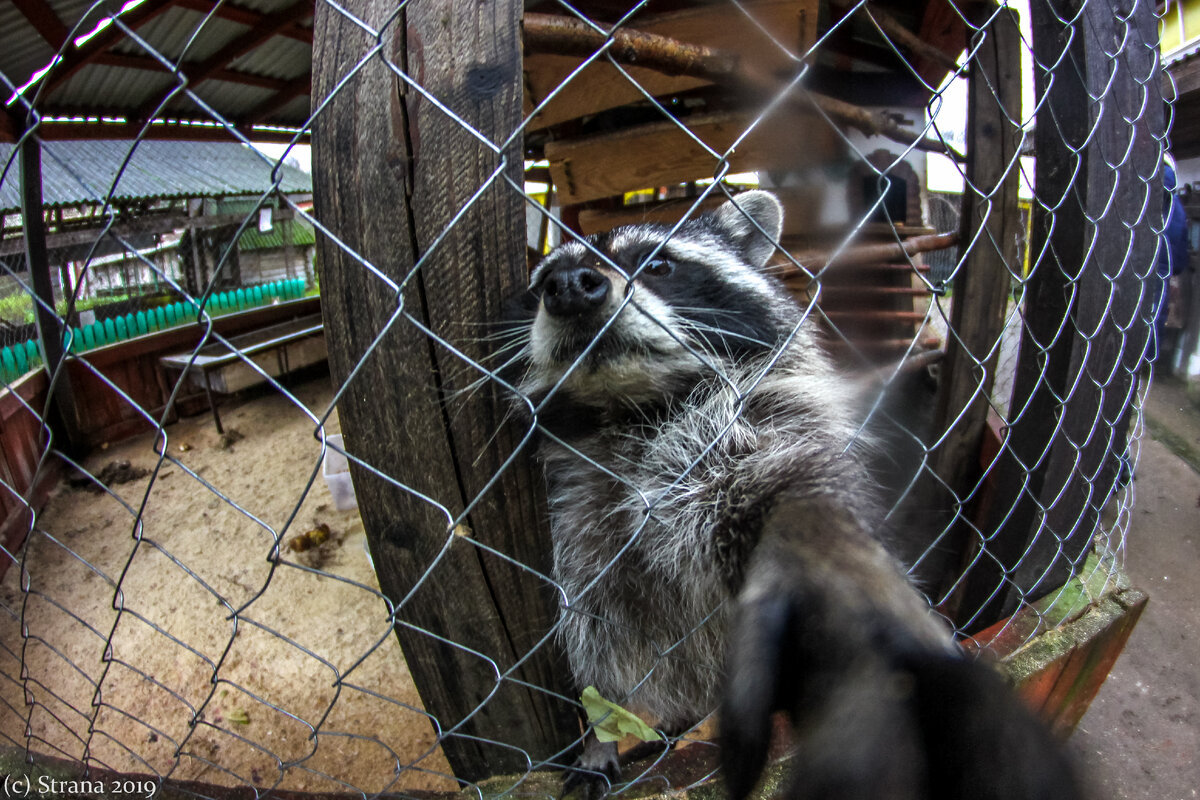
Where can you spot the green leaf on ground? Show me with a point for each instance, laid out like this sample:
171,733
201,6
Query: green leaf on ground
613,723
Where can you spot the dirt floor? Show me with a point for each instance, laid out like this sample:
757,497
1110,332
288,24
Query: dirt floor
1140,740
307,650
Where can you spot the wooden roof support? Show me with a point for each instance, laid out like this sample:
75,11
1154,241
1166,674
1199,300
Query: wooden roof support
990,261
76,59
297,87
268,26
245,16
44,21
390,174
1086,308
176,128
148,64
62,421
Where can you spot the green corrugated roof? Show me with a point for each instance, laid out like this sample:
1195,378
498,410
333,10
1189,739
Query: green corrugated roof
300,234
85,171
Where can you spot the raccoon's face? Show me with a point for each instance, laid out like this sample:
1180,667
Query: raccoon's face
641,314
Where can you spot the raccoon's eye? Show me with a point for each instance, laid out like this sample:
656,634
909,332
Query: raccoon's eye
658,267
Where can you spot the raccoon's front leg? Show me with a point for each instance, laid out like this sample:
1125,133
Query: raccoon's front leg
882,702
595,771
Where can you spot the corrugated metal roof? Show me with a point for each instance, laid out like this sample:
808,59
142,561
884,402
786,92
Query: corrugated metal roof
24,51
120,76
84,171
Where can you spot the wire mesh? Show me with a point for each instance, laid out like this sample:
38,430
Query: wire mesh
198,604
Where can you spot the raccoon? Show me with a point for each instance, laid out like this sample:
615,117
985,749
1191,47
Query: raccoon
714,527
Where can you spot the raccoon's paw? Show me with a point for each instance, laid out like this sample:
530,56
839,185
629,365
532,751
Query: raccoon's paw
594,773
895,722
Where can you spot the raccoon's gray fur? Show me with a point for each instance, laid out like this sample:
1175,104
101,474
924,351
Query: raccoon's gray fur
689,411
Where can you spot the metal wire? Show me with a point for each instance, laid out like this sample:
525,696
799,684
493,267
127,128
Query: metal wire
199,651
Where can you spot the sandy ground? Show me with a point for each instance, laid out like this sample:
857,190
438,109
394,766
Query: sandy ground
309,648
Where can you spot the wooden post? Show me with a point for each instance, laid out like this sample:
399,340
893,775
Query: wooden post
1098,145
392,170
62,420
988,241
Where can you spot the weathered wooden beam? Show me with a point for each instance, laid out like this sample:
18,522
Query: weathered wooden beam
1112,318
148,64
392,170
269,26
989,262
63,424
77,58
44,21
174,129
245,16
297,87
1085,310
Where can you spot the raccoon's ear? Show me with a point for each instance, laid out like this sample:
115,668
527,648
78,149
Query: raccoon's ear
752,221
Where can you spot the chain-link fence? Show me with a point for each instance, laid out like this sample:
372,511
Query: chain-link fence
219,606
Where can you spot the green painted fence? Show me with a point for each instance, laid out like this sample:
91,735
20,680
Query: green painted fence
17,359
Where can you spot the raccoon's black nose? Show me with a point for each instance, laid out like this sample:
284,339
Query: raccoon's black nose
573,290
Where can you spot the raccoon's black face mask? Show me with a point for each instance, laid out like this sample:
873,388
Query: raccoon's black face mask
638,313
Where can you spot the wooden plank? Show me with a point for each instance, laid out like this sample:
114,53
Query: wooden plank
942,27
1100,636
663,153
800,210
771,34
20,454
391,170
989,260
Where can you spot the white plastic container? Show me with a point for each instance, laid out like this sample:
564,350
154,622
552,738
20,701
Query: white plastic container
336,470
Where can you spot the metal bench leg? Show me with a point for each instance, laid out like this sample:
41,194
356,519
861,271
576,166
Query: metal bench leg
212,403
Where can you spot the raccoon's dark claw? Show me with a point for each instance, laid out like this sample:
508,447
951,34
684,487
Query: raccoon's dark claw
588,784
594,773
757,668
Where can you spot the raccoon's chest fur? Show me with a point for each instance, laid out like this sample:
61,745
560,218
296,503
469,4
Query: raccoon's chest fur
651,528
681,391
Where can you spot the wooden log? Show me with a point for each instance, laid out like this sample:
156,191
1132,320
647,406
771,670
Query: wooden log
1085,317
392,171
1111,317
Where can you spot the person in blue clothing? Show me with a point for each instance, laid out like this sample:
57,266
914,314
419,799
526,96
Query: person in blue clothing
1172,259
